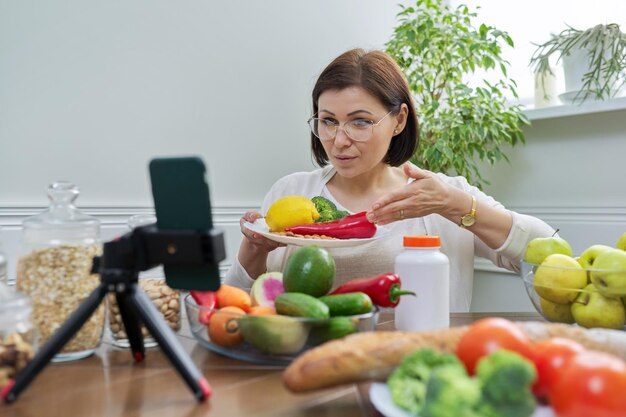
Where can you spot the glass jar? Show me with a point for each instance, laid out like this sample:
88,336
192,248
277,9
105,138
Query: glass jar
152,282
18,337
54,269
3,263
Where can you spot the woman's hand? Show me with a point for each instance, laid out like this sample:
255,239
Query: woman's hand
426,195
254,247
255,241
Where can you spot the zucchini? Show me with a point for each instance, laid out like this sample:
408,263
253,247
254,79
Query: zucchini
334,328
348,304
300,305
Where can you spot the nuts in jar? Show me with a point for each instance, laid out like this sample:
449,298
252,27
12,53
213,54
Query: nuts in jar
164,298
58,279
15,353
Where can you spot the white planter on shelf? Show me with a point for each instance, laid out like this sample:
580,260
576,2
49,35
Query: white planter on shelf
575,66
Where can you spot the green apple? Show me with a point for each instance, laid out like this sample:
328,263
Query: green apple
559,278
589,255
539,248
609,273
592,309
621,242
559,313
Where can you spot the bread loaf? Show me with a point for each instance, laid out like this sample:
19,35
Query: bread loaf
374,355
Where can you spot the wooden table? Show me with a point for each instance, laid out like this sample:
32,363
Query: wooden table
110,384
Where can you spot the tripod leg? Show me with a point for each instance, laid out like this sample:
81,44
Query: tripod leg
170,345
132,325
56,342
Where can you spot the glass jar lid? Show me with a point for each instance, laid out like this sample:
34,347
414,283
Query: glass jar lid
62,222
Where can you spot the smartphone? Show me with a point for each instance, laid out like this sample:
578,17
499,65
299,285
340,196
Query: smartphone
182,202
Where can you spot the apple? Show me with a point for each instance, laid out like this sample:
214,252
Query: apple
559,278
592,309
609,273
559,313
539,248
589,255
621,242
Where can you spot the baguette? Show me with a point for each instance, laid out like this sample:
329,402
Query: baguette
373,355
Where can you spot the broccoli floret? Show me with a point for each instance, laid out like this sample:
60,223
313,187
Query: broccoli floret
451,392
408,382
327,209
506,379
340,214
420,363
407,392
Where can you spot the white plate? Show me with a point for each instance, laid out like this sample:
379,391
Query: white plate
381,398
261,228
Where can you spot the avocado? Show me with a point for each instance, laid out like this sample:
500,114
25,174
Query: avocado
309,270
274,334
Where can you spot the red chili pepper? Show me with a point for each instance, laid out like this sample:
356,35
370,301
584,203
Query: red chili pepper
384,289
350,227
206,299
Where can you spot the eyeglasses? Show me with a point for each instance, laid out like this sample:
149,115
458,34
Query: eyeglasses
359,130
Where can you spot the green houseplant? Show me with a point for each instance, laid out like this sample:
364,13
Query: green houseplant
594,60
460,126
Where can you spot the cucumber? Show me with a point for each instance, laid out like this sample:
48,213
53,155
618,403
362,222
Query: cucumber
333,328
347,304
300,305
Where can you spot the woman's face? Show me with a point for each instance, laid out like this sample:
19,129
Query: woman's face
349,157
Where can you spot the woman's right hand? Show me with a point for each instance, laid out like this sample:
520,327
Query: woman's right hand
257,242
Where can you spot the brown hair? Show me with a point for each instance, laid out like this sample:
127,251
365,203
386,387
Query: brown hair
378,74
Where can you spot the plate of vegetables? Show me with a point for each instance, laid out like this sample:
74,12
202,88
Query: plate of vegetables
352,230
227,323
497,371
380,396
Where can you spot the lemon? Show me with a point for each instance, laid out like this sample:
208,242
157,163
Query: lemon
290,211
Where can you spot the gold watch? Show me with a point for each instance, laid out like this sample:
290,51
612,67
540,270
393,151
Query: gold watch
470,218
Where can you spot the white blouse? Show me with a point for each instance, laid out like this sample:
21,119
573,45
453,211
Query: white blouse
378,256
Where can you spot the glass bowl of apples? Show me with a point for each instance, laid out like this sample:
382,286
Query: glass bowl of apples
588,290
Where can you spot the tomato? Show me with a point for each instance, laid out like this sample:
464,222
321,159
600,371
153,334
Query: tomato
490,334
591,384
550,357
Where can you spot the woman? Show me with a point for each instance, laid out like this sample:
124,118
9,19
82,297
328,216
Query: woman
363,132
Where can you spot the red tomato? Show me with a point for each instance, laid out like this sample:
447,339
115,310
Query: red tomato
591,384
550,357
488,335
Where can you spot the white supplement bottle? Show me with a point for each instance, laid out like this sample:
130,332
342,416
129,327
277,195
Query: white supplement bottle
426,271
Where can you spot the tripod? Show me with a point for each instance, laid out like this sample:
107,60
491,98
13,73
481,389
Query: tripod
119,266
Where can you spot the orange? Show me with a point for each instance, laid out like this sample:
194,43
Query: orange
262,310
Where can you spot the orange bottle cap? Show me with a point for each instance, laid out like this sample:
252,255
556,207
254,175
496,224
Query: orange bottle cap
422,241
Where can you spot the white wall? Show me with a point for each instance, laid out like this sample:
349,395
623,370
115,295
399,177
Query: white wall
89,91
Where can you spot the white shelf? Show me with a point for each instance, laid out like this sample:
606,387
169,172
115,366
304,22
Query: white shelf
567,110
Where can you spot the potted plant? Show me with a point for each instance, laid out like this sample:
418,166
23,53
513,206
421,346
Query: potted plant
460,126
594,61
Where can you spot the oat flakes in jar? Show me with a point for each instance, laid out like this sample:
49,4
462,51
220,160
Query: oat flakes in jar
152,282
54,269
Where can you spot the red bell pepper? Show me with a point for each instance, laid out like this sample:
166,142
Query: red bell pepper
355,226
384,289
206,299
